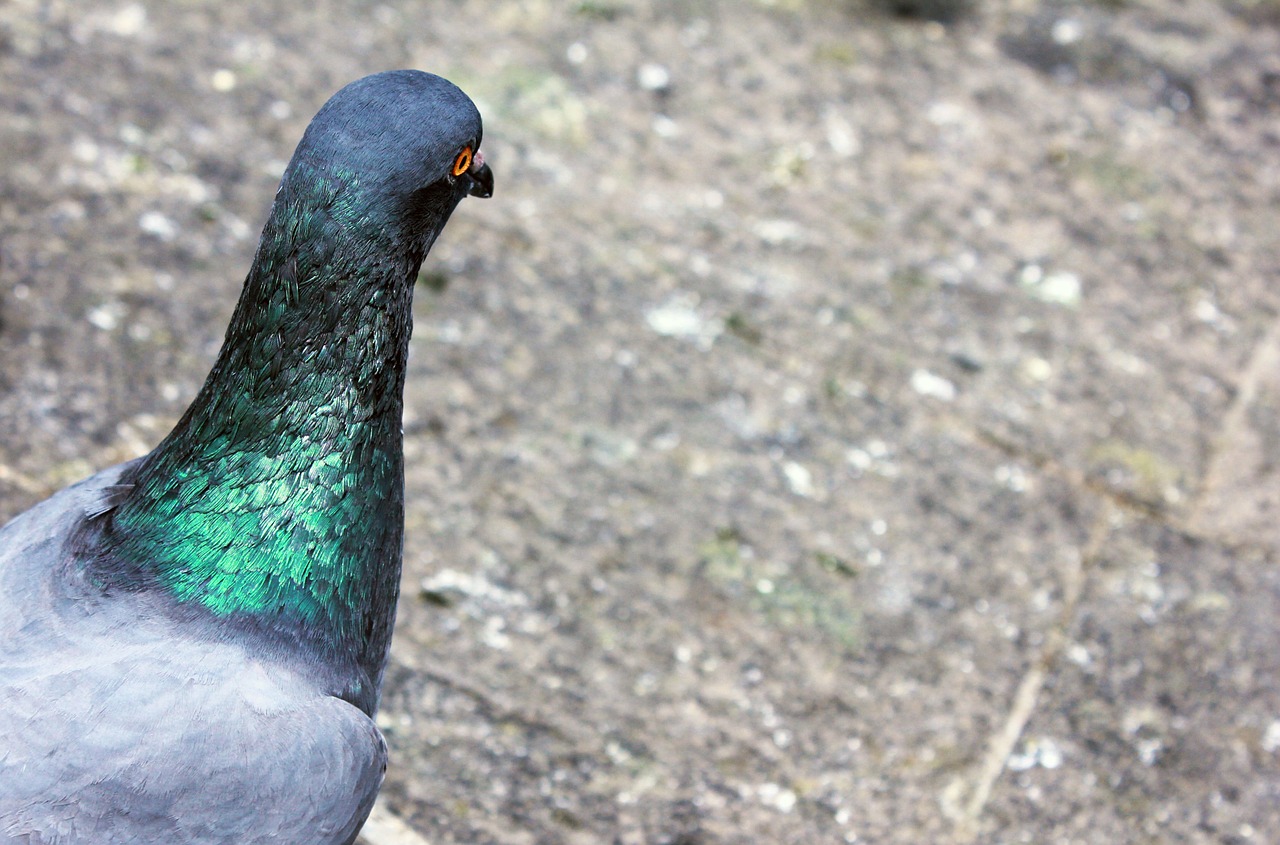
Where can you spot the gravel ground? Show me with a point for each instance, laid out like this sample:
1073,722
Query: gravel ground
847,422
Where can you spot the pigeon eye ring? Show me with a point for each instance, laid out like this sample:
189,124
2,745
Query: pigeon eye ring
462,163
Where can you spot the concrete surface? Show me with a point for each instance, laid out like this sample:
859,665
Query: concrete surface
839,427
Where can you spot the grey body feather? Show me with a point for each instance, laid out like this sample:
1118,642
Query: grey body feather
119,724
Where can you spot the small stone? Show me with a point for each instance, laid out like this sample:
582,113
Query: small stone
945,114
799,479
155,223
222,80
1020,762
1061,289
654,77
679,317
127,22
780,798
1037,369
1040,751
494,634
1067,31
928,384
84,150
1271,738
106,316
841,136
665,127
1012,477
1048,754
1205,311
1079,655
675,320
778,231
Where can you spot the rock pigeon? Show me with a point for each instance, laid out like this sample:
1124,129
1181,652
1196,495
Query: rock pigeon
192,643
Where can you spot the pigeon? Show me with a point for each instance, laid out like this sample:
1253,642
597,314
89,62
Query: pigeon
192,643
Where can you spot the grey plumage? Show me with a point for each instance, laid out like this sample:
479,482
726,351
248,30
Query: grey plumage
181,719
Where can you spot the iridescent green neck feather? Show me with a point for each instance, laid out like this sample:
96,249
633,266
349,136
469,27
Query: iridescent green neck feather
278,498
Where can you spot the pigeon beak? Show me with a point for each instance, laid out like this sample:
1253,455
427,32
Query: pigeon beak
481,177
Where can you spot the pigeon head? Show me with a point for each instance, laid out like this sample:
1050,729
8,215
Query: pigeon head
276,503
403,141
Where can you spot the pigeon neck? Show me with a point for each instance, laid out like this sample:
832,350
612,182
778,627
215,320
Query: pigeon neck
277,501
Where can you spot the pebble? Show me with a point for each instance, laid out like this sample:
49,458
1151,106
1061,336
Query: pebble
222,80
1271,738
1067,31
679,317
799,479
157,224
841,136
654,77
928,384
106,317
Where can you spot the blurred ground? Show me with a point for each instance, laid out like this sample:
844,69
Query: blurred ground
840,427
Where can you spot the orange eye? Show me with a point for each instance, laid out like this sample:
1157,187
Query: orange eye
462,163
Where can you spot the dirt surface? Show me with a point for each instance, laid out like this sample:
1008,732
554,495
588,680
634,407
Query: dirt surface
841,426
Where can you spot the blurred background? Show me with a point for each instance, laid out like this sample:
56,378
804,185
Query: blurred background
848,422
